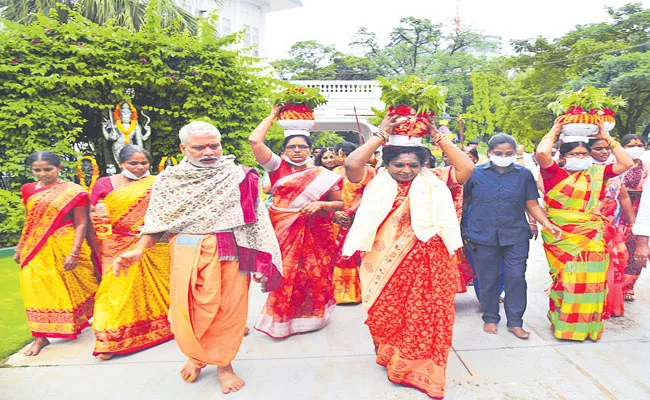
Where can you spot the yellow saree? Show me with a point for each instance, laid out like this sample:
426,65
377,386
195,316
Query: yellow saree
131,310
58,303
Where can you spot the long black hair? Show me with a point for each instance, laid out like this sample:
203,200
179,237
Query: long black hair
566,148
630,137
129,151
389,153
346,147
501,138
288,138
46,156
319,158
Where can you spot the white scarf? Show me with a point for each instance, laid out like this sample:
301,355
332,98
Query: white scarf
432,212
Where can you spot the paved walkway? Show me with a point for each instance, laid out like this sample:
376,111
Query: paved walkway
338,361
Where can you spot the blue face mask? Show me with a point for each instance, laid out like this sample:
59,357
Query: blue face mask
578,164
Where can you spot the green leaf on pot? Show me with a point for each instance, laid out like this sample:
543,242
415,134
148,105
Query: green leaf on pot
309,97
421,94
587,98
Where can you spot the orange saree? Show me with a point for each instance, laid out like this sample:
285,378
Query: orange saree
408,289
131,310
347,286
305,300
58,303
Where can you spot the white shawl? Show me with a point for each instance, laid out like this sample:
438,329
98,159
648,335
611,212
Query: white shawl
432,212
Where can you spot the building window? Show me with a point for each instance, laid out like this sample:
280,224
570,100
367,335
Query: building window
255,41
225,26
247,35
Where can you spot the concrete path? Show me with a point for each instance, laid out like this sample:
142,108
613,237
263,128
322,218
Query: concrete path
338,361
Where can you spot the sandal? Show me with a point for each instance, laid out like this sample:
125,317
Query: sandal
628,297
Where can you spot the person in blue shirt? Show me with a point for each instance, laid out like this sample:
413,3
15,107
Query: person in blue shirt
500,194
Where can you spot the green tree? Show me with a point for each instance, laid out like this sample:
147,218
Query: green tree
327,139
307,60
60,79
611,54
127,13
411,44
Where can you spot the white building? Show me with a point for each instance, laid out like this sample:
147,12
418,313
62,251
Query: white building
349,104
489,46
238,15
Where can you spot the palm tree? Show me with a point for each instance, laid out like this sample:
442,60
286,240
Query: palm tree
128,13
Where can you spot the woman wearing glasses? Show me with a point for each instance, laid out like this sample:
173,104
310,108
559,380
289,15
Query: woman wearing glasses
304,201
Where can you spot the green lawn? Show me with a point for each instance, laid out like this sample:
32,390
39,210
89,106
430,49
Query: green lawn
14,332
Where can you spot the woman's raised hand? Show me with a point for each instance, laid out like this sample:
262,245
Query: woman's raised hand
275,111
390,122
602,132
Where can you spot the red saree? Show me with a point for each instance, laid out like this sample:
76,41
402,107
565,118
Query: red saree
614,236
409,289
305,299
58,303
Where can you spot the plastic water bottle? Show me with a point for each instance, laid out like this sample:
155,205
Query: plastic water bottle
103,228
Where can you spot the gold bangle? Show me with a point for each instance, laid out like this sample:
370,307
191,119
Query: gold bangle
613,144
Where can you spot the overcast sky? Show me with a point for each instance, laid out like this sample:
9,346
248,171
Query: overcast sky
334,22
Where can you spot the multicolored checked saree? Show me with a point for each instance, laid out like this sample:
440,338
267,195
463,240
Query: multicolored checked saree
305,300
59,303
130,310
578,261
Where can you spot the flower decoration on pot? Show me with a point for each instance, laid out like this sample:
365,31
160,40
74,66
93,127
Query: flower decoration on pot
126,132
297,112
577,123
414,100
607,113
163,161
80,172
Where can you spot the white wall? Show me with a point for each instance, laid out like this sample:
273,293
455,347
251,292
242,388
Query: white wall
237,15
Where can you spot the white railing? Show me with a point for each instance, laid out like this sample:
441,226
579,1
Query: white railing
361,88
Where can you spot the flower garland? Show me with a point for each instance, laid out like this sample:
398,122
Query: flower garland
161,166
80,173
118,120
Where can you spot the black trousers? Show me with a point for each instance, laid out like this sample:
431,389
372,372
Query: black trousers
487,260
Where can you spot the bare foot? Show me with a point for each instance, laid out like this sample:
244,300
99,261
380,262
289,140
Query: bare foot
229,381
104,356
490,328
246,330
519,332
628,297
36,346
190,371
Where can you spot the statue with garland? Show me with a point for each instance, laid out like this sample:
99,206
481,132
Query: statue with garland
122,128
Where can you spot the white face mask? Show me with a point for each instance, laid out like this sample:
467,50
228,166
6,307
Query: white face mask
502,162
300,164
132,176
635,152
578,164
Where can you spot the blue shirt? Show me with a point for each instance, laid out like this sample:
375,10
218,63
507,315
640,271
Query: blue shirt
497,216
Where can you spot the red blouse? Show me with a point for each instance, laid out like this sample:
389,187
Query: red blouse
554,175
